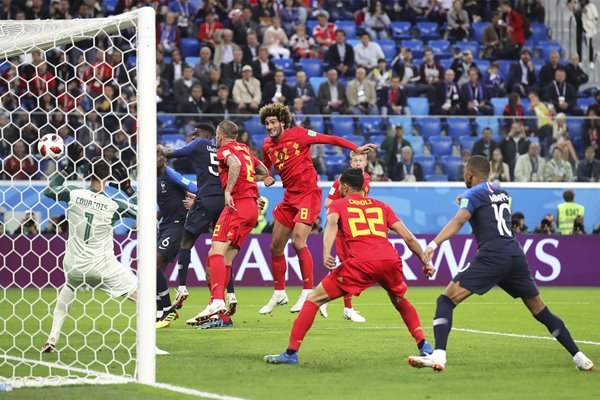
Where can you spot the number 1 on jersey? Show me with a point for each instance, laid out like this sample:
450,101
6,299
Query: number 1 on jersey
88,226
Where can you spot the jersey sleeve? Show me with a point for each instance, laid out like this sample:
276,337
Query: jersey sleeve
266,159
334,192
334,207
309,137
56,189
181,181
124,210
469,201
390,216
185,151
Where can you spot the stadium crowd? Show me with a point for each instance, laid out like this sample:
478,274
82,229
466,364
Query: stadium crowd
484,70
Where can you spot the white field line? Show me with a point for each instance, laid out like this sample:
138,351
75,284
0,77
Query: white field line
193,392
519,335
472,303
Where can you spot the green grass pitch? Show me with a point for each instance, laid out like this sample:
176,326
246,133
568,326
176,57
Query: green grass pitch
344,360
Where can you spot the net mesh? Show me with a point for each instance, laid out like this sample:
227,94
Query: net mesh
76,79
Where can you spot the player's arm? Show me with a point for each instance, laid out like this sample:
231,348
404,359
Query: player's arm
268,181
262,172
56,189
120,174
234,165
451,228
184,151
334,193
331,229
413,245
182,182
318,138
124,210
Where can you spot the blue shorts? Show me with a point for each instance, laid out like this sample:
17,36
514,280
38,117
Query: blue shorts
169,238
487,270
204,214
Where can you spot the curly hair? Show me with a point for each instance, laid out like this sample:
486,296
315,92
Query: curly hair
277,110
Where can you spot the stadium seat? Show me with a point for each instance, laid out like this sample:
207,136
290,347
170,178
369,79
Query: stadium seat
446,63
533,139
526,104
406,122
388,47
353,42
418,105
585,102
349,27
472,46
109,6
291,80
131,62
172,139
440,146
450,166
167,131
466,142
427,163
317,123
537,66
285,64
416,46
323,178
577,145
546,47
316,81
356,139
428,30
192,61
310,25
376,139
166,121
253,126
312,66
401,30
335,165
341,126
504,66
436,178
478,28
575,127
371,126
459,126
258,139
499,103
441,49
539,33
487,122
189,47
430,126
417,144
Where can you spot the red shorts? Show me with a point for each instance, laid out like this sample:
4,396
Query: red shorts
235,225
298,207
354,276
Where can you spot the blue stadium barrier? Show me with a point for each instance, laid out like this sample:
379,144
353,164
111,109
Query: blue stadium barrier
436,178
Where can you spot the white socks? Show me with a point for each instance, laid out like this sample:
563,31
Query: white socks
61,310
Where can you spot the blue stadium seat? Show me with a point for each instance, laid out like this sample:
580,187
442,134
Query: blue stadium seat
291,80
310,25
335,165
585,102
526,104
466,142
416,46
450,166
458,127
430,126
371,125
441,49
499,103
436,178
539,33
353,42
312,66
575,127
440,146
578,145
401,30
348,26
504,66
317,123
285,64
165,121
167,131
316,81
533,139
406,122
547,46
323,178
446,63
478,28
258,139
131,62
253,126
341,126
189,47
356,139
472,46
170,140
109,6
417,144
428,30
388,47
487,122
427,163
192,61
418,105
537,66
376,139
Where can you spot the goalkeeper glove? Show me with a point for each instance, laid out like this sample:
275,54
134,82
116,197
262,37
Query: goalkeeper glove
119,173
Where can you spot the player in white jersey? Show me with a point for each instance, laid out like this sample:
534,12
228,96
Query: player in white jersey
89,258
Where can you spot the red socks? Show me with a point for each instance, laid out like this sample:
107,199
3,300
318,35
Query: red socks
348,301
279,266
302,324
411,319
217,276
306,267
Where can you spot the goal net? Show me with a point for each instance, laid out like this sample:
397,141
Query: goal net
77,79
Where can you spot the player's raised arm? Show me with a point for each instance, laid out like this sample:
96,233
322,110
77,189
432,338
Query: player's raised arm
125,210
56,190
329,235
451,228
413,245
181,181
319,138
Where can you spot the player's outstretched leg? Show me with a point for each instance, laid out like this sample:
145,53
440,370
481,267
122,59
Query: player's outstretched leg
61,310
350,313
183,264
409,315
281,234
558,329
299,237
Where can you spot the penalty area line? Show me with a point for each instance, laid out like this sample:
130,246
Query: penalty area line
519,335
193,392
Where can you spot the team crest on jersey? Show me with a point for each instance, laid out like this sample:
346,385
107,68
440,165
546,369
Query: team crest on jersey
281,156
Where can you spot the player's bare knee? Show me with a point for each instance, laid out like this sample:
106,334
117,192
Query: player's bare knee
298,241
535,305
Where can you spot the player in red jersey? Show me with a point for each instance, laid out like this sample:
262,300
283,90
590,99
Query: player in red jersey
239,170
289,151
371,259
356,161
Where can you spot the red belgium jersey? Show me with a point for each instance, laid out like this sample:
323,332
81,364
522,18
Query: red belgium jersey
334,192
245,185
364,223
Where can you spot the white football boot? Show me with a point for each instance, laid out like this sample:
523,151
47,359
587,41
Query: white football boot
583,363
298,306
279,298
231,304
323,310
215,307
353,316
437,361
180,297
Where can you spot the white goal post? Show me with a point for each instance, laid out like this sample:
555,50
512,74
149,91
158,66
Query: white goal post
20,335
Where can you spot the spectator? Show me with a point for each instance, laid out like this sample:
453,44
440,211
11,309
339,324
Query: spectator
557,169
367,53
182,88
513,111
562,94
247,92
238,26
263,14
458,21
168,34
575,75
521,75
20,165
377,22
185,13
514,144
276,40
302,44
251,48
519,218
374,168
306,93
263,68
339,10
8,10
591,132
498,45
596,106
533,10
405,68
542,124
223,105
290,17
530,166
381,75
244,137
324,33
578,228
447,95
461,67
499,170
43,81
589,169
393,144
494,82
341,55
120,72
224,47
247,26
57,225
547,72
474,97
567,212
299,118
406,169
36,10
430,71
233,70
421,8
206,32
196,103
277,91
29,225
332,95
174,70
392,100
561,137
211,89
546,226
164,98
204,67
486,145
361,94
515,25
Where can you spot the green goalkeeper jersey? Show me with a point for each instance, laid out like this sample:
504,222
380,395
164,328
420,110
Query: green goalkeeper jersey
90,214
